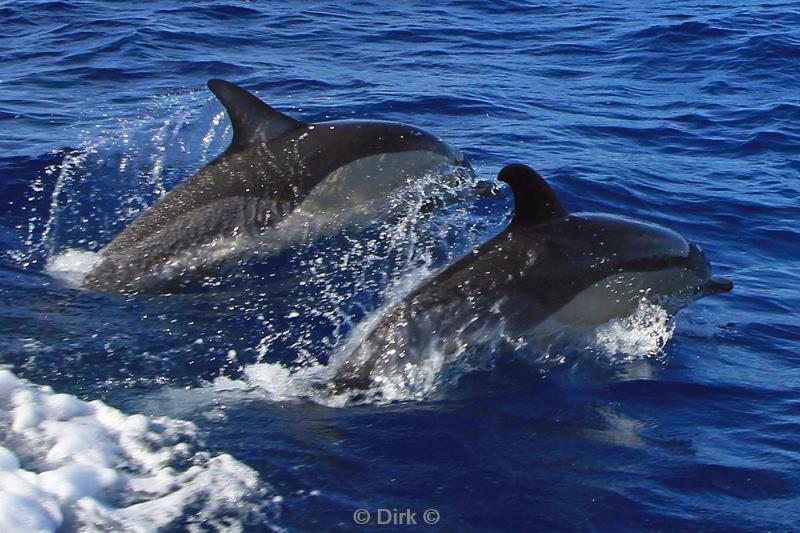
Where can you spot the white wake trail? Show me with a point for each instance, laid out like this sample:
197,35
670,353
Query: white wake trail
70,464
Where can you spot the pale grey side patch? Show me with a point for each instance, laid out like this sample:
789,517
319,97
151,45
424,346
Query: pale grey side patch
358,192
365,180
614,297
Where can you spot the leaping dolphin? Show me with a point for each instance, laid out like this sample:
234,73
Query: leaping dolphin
547,272
278,174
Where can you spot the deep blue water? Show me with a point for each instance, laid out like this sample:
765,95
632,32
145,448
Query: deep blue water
685,114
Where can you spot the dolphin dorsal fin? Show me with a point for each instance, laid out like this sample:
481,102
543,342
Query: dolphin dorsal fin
534,200
253,120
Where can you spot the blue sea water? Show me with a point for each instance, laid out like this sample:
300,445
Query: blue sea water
684,114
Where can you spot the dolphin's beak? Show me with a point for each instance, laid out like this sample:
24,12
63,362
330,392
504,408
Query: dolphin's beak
717,286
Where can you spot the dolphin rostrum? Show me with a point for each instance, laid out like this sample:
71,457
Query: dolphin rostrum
279,181
548,272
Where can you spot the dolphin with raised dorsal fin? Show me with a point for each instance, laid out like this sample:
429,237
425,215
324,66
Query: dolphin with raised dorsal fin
277,172
548,272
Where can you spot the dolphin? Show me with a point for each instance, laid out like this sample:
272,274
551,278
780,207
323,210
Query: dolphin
547,272
280,181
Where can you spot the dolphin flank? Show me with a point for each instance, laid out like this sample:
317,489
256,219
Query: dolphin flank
547,273
277,172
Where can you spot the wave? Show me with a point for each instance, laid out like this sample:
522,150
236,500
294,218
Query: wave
663,35
68,463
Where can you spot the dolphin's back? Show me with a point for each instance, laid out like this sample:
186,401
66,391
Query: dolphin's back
272,165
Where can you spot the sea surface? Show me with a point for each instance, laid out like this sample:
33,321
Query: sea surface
196,410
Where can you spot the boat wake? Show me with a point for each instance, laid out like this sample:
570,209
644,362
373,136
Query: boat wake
67,463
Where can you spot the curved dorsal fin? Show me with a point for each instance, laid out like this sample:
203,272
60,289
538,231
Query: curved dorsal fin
253,120
534,200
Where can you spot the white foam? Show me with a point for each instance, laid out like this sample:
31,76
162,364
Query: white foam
72,265
278,382
67,463
394,378
641,335
635,338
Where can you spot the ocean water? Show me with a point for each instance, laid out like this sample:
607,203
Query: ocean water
196,410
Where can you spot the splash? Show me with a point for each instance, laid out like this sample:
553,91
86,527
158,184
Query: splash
638,337
67,463
341,279
308,378
117,169
642,335
71,266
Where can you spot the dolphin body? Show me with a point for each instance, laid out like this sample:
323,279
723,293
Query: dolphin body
547,273
280,181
